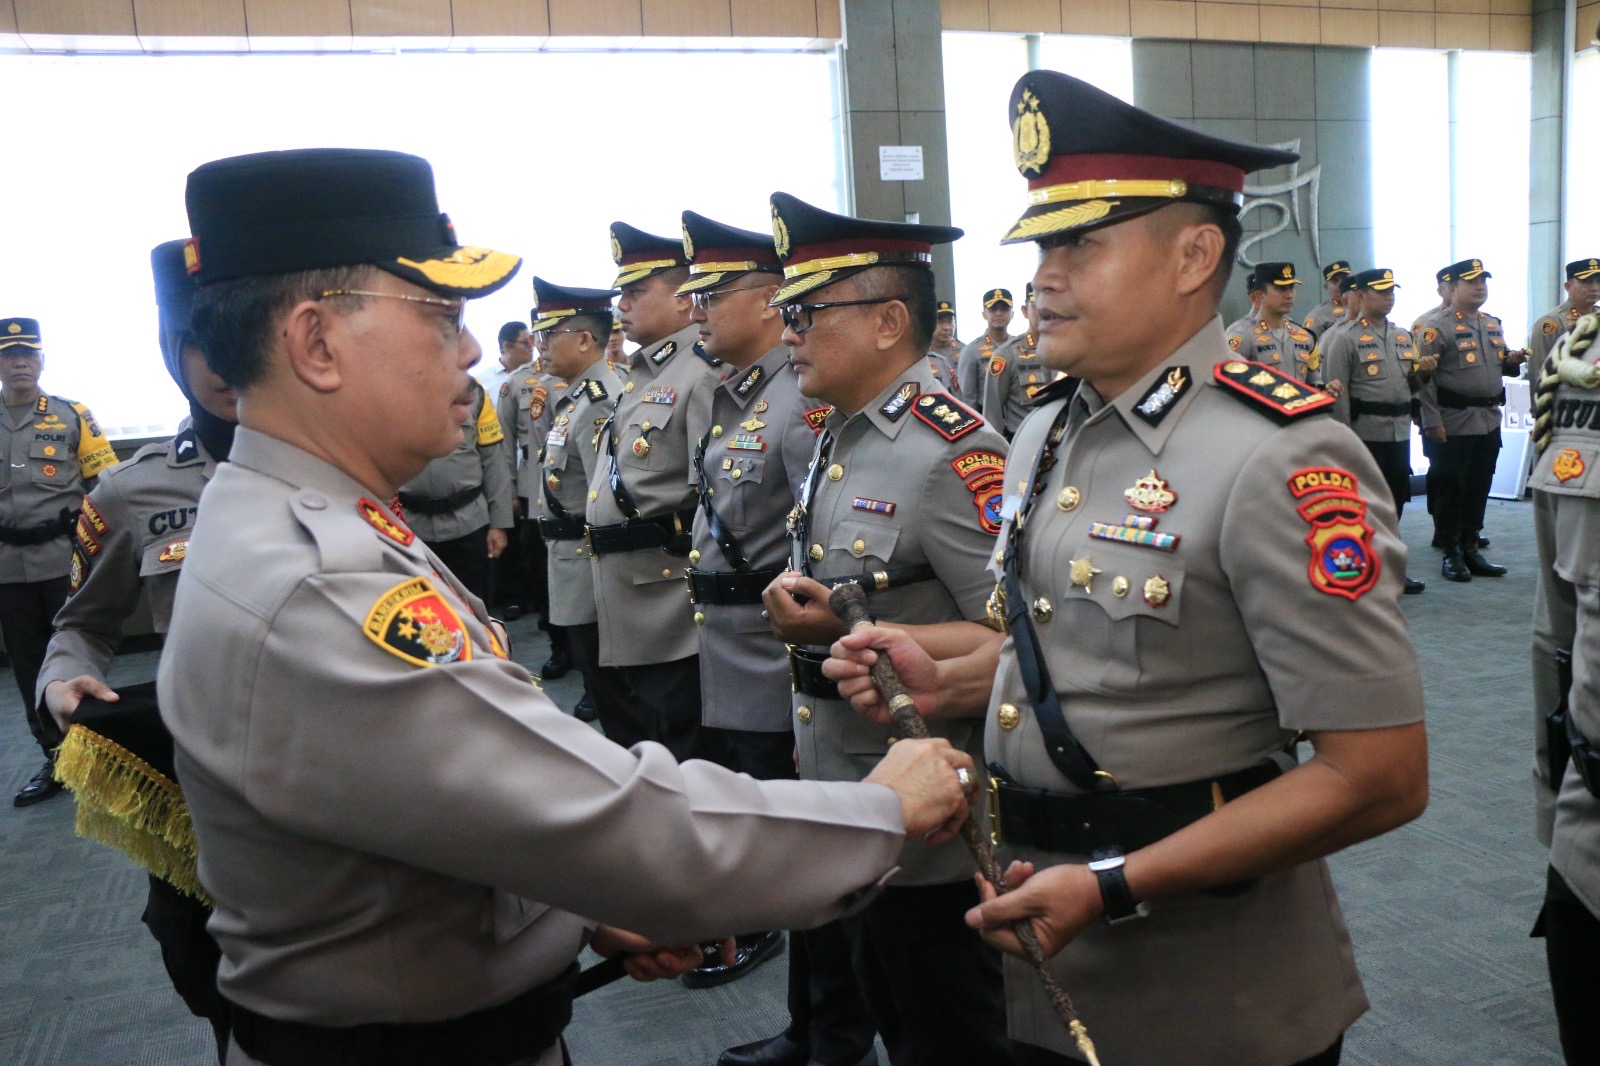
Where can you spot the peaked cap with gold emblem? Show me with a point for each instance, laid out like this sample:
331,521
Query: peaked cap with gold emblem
945,308
1092,160
19,331
1582,269
1336,269
556,302
639,255
1466,270
717,252
1278,275
1378,279
819,247
285,212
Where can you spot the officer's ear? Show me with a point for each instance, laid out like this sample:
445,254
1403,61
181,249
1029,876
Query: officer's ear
893,323
306,341
1199,247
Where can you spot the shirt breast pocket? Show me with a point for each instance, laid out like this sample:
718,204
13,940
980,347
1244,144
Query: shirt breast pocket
734,485
52,463
643,443
1134,589
856,545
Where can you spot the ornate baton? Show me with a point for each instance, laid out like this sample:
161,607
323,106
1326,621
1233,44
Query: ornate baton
849,603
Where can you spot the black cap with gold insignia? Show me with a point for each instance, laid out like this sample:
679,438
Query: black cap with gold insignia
558,301
819,247
1336,269
716,252
639,255
996,297
1027,293
1378,279
1582,269
285,212
1091,159
22,332
1280,275
1466,270
945,308
1346,283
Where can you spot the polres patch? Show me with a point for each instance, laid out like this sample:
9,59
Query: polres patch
413,621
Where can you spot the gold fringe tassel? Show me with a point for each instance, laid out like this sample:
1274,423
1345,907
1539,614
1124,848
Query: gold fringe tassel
126,804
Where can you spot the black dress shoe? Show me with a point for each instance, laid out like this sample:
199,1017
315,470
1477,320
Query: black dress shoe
40,787
1480,566
1413,586
1483,542
584,711
781,1051
748,953
511,612
1455,567
559,665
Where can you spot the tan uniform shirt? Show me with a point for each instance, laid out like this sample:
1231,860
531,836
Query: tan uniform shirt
1377,363
524,410
52,450
943,371
394,823
893,491
1566,497
973,364
1471,350
1544,333
132,536
1321,317
479,461
664,408
1015,375
1289,348
1174,666
568,461
756,456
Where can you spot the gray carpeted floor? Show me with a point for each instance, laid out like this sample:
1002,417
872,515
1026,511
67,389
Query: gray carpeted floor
1439,911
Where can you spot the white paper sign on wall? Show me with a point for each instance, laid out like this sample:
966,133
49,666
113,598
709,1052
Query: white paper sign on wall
899,162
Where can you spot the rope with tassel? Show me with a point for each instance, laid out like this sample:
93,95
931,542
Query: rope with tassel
1564,365
849,604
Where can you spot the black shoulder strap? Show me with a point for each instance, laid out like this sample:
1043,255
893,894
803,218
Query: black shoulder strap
731,548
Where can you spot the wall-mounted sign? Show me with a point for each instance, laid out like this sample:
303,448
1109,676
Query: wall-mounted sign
899,162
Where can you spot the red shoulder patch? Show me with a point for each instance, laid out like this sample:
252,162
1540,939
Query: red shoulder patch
1343,562
816,416
85,535
973,463
949,417
379,519
413,621
1284,396
1321,479
95,520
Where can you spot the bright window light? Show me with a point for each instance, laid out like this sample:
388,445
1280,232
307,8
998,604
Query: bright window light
534,153
1583,157
1410,153
1494,96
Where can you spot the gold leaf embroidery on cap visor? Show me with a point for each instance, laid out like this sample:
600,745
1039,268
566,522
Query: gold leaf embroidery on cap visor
1065,218
466,268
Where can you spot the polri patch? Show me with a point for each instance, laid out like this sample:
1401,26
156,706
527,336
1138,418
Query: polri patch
413,621
997,366
1281,395
989,502
1343,562
1568,465
379,519
1163,395
948,417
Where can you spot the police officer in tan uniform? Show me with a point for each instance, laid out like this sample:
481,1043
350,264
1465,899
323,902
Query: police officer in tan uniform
131,540
1196,565
902,495
53,449
1461,415
945,341
1566,647
973,362
1583,290
642,503
399,831
1331,310
1015,377
574,325
460,505
1273,337
1373,371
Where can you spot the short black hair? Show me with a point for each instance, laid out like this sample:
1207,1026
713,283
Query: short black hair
234,322
597,323
511,331
913,286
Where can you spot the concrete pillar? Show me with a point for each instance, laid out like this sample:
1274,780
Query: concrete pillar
892,73
1552,56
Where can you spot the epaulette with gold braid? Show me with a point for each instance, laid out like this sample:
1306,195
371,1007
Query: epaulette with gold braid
1280,395
949,417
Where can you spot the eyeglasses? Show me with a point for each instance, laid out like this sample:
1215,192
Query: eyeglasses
704,300
458,308
544,335
797,317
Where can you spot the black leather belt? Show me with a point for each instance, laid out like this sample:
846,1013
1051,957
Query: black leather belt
805,674
1128,818
43,533
437,505
727,588
497,1036
1455,400
669,532
1359,407
567,528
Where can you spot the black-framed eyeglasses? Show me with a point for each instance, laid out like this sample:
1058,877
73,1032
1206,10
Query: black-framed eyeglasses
703,300
458,308
798,317
544,335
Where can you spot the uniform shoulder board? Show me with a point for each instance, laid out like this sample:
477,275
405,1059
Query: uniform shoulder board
1298,333
1279,394
663,353
1059,389
185,446
595,390
816,416
705,356
948,416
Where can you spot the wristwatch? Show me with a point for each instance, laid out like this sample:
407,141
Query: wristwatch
1107,865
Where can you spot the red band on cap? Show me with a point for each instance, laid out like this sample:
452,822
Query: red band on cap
1069,168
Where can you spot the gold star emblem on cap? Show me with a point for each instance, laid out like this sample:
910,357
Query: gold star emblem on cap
1030,135
13,328
688,244
1083,572
616,250
780,234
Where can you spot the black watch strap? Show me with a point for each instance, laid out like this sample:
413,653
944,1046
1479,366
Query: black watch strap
1115,895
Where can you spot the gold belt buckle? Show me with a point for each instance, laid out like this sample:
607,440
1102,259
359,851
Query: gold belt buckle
993,806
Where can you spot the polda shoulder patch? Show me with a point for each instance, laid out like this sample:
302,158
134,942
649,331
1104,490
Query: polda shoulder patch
413,622
948,417
1268,390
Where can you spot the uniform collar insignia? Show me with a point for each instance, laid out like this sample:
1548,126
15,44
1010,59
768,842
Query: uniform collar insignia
753,377
596,391
900,402
1163,395
185,446
663,353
